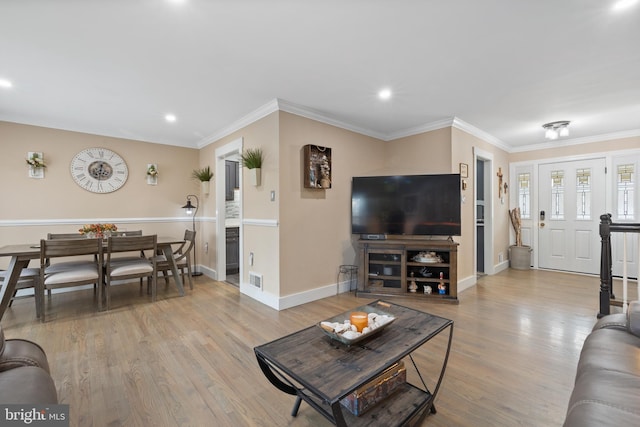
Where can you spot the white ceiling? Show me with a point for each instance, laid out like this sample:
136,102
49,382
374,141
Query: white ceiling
502,67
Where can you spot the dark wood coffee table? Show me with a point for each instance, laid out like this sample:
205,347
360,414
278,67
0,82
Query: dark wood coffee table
322,371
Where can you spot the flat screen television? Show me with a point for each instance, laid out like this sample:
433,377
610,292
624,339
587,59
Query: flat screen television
419,205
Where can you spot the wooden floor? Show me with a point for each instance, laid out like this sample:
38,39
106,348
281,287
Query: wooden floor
189,361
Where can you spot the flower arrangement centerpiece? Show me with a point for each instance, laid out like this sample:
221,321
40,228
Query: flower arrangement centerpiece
98,230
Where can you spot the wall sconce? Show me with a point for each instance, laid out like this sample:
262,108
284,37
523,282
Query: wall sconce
152,174
35,160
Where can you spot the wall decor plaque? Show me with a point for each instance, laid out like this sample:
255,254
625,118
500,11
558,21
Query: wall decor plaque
317,167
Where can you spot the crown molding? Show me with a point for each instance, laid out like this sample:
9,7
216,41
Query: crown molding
479,133
428,127
318,116
254,116
578,141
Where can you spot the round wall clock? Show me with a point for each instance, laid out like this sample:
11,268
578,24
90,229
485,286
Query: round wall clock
99,170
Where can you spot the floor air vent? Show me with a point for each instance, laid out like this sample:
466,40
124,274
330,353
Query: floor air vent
255,279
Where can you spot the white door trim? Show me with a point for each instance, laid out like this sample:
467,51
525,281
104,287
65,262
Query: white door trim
487,157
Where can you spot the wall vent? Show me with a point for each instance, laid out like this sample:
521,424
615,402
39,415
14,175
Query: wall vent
255,279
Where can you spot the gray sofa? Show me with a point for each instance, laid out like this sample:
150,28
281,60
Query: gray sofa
607,386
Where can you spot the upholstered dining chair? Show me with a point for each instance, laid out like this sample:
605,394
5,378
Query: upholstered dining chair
119,268
65,264
69,273
28,279
182,257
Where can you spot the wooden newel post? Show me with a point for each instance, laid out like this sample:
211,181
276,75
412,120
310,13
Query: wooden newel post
605,265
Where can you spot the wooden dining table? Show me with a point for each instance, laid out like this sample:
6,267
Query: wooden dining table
22,254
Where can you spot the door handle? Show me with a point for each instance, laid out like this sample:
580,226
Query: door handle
542,225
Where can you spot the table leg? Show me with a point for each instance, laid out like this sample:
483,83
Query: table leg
168,253
9,286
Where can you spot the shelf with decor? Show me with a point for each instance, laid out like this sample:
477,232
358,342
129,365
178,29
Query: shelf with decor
409,267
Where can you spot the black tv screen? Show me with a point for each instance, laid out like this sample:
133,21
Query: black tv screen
422,205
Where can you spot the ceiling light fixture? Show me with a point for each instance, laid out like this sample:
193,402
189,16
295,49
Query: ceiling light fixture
170,118
624,4
384,94
555,129
5,83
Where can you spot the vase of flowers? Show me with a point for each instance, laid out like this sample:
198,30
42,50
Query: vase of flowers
93,231
152,174
35,160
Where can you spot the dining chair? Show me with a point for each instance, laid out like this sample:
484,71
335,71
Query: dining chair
65,264
28,279
127,233
118,268
182,258
71,273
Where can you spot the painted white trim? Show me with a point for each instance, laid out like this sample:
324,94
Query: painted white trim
466,283
261,222
265,298
254,116
310,295
479,133
318,116
81,221
427,127
577,141
501,266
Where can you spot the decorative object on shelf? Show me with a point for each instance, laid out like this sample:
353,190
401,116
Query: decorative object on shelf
252,159
99,170
35,160
442,288
519,254
192,210
203,175
428,289
317,167
152,174
98,230
464,170
427,257
413,287
555,129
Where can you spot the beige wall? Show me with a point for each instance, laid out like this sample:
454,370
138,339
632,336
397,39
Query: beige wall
315,225
57,204
425,153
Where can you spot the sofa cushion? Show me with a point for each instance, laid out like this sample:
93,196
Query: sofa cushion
633,318
610,349
27,384
603,397
18,352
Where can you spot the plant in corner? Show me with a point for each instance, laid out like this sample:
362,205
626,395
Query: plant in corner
202,175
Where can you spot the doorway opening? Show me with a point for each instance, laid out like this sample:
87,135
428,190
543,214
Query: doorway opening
483,212
229,213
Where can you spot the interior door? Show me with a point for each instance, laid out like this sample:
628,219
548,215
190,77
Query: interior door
571,198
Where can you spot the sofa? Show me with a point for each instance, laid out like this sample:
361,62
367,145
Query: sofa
24,373
607,385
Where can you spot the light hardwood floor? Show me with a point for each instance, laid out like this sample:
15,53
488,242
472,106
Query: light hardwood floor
190,362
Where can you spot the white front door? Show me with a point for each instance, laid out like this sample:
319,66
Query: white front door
572,197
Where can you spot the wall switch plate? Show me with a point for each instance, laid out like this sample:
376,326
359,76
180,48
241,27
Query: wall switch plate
273,196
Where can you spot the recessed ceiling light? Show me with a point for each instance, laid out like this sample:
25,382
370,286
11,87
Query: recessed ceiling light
623,4
384,93
5,83
170,118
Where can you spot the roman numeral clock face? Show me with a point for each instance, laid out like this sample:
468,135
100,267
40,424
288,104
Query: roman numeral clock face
99,170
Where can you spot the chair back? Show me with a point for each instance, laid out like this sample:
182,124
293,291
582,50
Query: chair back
69,247
66,236
131,244
190,238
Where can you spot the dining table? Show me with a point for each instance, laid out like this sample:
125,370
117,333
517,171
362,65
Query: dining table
22,253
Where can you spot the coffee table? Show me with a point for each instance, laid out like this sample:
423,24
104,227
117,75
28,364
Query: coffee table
321,371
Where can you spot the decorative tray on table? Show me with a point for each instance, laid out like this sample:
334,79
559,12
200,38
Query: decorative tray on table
339,327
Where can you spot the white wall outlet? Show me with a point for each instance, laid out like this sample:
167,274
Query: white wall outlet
500,257
250,258
206,248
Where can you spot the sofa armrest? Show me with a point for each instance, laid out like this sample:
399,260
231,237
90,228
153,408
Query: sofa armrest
612,321
633,318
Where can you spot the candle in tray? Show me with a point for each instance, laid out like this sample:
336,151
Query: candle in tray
359,319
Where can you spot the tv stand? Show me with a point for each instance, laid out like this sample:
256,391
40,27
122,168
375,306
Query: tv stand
390,268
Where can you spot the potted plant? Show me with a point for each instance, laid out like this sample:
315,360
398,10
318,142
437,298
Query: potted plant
519,254
203,175
252,159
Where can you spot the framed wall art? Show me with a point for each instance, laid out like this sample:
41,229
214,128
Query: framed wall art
317,167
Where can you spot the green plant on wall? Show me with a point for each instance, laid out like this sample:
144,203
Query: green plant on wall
203,175
252,158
